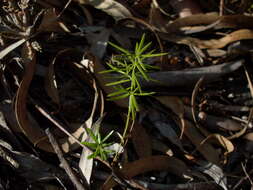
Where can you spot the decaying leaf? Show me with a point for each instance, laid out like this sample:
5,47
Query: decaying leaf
166,128
207,150
11,47
32,132
226,21
224,123
215,172
159,146
51,23
220,140
141,141
111,7
152,163
50,81
242,34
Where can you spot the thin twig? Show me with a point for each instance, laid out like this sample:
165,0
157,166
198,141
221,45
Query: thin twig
64,163
221,11
246,174
60,126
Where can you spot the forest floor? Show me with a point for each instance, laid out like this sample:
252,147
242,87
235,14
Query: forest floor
114,94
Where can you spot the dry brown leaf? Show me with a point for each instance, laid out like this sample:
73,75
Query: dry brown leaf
50,81
152,163
156,19
220,140
243,34
165,127
172,102
32,132
226,21
51,23
207,150
185,8
248,142
248,136
225,123
141,141
160,146
177,106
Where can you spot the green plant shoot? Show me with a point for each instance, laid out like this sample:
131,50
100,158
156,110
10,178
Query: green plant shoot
99,145
131,67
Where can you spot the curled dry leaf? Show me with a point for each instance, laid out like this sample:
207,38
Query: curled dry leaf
50,81
152,163
220,140
35,134
32,132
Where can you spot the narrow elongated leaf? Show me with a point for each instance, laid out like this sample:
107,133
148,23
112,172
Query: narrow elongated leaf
119,97
144,48
150,54
119,48
11,47
117,82
107,136
141,44
89,144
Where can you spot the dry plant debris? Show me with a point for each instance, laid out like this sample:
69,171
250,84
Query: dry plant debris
88,103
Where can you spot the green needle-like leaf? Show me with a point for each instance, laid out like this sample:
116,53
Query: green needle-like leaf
117,82
107,136
120,48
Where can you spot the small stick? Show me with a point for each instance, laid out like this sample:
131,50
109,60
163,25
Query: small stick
64,163
221,8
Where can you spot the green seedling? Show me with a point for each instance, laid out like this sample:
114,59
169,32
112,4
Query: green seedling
98,145
130,67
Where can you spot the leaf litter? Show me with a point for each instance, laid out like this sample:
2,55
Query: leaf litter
193,131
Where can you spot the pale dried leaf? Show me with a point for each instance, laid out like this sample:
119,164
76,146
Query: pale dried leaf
11,47
111,7
215,172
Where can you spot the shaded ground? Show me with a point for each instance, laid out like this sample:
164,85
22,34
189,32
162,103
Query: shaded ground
191,130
